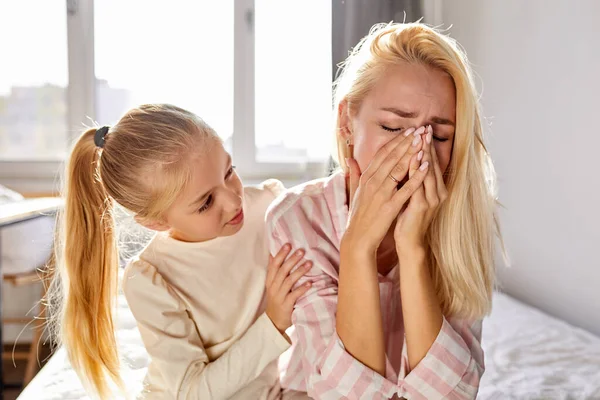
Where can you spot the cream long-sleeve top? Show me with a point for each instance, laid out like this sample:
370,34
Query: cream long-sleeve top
200,311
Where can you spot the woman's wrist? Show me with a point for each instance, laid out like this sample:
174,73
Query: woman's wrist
415,253
356,256
356,247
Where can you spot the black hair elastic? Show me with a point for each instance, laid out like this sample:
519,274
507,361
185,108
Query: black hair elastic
100,136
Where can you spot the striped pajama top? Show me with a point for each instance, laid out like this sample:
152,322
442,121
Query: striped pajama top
313,216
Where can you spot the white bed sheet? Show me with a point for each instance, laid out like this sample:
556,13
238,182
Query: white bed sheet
529,355
58,381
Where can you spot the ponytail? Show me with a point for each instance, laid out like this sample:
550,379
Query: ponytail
88,271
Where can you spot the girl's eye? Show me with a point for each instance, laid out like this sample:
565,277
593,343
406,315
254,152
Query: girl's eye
229,172
439,139
206,205
391,129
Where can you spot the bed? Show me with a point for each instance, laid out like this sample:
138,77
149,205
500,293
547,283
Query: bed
529,355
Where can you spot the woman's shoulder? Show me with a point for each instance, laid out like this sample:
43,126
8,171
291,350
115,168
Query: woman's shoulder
317,198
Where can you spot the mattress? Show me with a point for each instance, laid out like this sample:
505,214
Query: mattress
529,355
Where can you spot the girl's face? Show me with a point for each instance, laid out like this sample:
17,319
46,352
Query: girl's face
212,203
406,95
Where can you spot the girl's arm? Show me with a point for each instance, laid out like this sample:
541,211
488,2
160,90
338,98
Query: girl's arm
180,367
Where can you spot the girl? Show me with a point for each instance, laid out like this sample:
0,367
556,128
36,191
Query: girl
403,249
197,290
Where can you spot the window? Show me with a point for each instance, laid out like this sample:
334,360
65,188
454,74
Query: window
178,52
33,80
293,81
255,70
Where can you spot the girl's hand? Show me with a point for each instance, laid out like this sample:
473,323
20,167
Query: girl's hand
375,199
280,296
413,223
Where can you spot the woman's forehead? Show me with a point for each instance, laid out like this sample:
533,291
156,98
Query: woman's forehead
413,87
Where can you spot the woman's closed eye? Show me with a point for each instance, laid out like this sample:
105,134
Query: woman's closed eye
392,129
398,130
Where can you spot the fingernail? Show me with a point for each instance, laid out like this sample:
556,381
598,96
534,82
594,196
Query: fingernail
308,266
307,284
287,246
428,137
420,155
420,131
424,166
409,132
416,140
299,252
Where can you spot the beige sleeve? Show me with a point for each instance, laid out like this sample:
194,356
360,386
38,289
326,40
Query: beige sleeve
274,186
179,367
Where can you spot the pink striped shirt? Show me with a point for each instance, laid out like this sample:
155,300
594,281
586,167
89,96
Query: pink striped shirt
313,216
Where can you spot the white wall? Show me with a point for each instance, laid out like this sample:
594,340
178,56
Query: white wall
539,63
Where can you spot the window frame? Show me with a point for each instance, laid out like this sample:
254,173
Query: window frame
42,176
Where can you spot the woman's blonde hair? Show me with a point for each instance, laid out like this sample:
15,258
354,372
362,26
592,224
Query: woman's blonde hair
462,235
142,166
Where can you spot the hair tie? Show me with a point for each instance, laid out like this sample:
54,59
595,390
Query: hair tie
100,136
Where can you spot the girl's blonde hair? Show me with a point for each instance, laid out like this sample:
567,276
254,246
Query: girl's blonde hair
142,167
461,236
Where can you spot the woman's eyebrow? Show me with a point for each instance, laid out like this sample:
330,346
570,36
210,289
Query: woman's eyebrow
413,114
442,121
401,113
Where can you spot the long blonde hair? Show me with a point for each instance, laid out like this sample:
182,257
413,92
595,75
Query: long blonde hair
151,140
461,237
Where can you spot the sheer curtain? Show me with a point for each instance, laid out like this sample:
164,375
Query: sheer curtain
352,19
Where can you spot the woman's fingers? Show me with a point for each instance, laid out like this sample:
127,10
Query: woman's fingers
430,182
419,195
439,176
387,150
395,167
409,188
353,179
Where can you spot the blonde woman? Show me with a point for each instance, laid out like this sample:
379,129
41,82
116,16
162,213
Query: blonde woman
211,326
402,238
